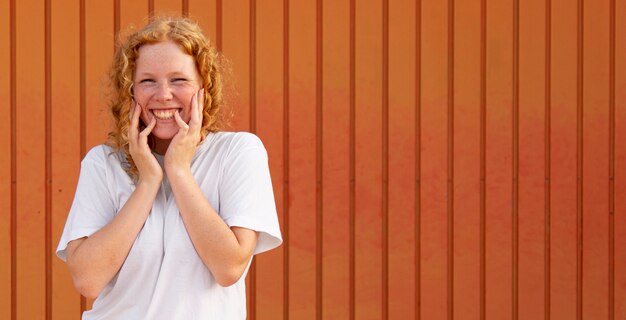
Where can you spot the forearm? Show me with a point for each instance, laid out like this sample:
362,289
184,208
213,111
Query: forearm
99,257
224,253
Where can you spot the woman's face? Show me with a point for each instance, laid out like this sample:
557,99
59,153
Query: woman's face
166,78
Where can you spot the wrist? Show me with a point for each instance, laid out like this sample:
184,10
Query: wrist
149,182
177,172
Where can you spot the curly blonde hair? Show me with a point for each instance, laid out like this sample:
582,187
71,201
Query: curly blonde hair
188,35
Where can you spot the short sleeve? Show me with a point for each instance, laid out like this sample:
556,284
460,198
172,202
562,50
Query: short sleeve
246,194
93,206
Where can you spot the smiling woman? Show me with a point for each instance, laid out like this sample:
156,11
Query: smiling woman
168,214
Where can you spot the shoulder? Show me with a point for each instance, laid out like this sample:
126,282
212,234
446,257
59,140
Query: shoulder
234,142
101,155
237,139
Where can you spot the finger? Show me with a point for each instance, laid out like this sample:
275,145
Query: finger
143,136
200,114
131,110
181,123
134,122
195,105
201,106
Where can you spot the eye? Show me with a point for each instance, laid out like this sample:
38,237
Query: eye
179,80
146,81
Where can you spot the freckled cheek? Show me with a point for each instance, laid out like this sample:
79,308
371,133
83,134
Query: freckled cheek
187,98
142,98
143,102
146,116
186,115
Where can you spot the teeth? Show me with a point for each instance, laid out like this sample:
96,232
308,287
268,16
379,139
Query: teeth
164,114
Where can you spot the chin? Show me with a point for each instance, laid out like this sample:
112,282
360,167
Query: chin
164,133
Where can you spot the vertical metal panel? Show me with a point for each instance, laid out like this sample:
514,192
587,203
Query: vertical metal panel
595,123
611,160
515,161
336,159
483,161
116,21
13,93
286,161
401,163
302,155
547,291
48,157
434,166
466,204
218,23
253,68
531,153
319,154
352,160
580,82
563,160
368,160
450,164
499,161
6,187
336,136
236,46
385,161
620,163
99,45
30,157
418,161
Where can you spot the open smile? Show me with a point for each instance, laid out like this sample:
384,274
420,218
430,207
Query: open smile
165,114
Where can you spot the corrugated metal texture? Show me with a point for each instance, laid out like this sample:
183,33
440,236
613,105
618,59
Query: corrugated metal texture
458,159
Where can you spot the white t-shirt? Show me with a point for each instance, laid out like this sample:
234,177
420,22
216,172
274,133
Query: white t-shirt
163,277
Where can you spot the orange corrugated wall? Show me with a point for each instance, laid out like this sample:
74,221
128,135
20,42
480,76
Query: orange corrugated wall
460,159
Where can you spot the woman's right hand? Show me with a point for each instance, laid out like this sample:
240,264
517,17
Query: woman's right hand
149,169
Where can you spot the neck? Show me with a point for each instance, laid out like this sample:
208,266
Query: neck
160,145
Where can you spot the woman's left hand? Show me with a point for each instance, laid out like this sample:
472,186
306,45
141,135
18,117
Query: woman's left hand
184,144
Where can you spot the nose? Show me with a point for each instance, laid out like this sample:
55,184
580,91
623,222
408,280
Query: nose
163,92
